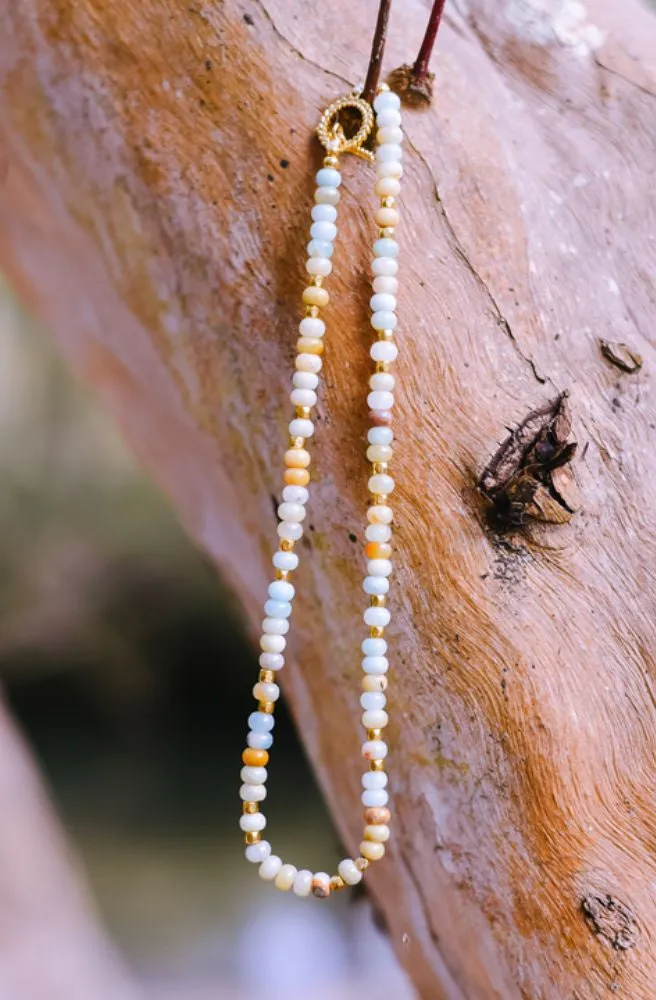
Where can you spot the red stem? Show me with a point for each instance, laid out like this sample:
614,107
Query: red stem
420,68
377,49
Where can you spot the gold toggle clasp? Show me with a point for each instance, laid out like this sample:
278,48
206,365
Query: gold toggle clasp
331,135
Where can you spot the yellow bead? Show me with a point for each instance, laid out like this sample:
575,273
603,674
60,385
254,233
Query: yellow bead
297,477
313,296
309,345
297,458
255,758
371,850
378,550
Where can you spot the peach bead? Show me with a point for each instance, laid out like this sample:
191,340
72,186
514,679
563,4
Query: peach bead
297,458
378,550
375,815
296,477
255,758
309,345
387,217
387,186
313,296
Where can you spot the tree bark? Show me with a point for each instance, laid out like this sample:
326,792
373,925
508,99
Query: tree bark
157,165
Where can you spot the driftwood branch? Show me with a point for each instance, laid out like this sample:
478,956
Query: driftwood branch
153,212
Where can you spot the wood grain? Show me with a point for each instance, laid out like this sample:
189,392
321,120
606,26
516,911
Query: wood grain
156,166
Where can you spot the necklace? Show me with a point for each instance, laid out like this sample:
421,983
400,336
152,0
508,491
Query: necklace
295,495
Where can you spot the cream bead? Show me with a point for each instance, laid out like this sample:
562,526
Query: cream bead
384,350
311,326
378,834
369,702
284,880
386,247
389,168
381,484
253,822
327,196
387,217
291,512
252,793
312,295
290,531
373,750
380,513
377,617
388,153
389,134
319,265
285,561
278,626
308,363
302,883
375,532
270,868
266,690
304,397
301,428
382,284
304,380
371,684
253,775
375,719
348,872
259,852
379,453
374,779
371,850
272,643
379,435
387,187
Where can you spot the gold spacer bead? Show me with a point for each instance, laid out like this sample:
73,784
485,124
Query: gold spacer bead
379,468
387,232
312,311
331,161
282,574
268,707
376,765
304,412
388,201
250,807
266,676
377,601
382,366
337,883
379,498
316,280
252,838
376,632
374,734
386,334
286,545
362,864
296,442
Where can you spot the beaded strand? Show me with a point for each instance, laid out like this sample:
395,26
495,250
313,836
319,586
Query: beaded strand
291,511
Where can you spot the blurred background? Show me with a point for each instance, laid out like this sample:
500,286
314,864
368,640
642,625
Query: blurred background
124,662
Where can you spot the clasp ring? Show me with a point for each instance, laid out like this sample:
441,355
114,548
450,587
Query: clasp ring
331,135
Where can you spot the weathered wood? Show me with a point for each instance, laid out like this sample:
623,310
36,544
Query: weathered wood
156,173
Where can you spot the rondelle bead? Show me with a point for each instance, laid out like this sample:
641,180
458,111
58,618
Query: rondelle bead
309,345
375,719
389,134
318,266
374,647
255,758
388,117
275,626
314,296
284,880
386,247
301,428
379,617
348,872
297,458
271,661
281,590
384,320
324,213
304,380
376,815
372,701
270,868
328,177
380,567
387,217
387,187
303,397
252,793
372,750
385,101
389,168
378,834
381,483
254,775
253,822
297,477
308,363
386,266
389,153
296,494
371,850
257,853
321,885
259,741
382,301
384,285
375,797
277,609
327,196
323,231
261,722
291,512
272,643
286,561
379,399
311,326
380,513
374,683
380,435
290,530
375,586
374,779
302,883
374,532
267,691
382,381
380,453
383,350
375,664
320,248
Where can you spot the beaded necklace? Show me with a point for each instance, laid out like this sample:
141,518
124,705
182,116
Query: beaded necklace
291,511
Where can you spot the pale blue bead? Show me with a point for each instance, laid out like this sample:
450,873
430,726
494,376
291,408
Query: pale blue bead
320,248
375,585
386,247
259,741
380,435
377,617
277,609
281,590
374,647
374,779
261,722
374,797
383,320
328,177
375,664
372,700
323,231
324,213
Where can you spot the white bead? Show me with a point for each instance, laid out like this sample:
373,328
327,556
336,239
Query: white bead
385,100
374,779
252,793
275,626
384,350
285,560
284,880
327,196
328,177
370,701
311,326
271,661
389,168
348,871
390,134
379,435
281,590
382,320
255,822
388,153
375,532
380,513
377,617
267,691
379,567
379,833
291,512
384,285
380,400
375,586
385,266
303,397
272,643
375,798
302,883
257,853
375,665
318,265
374,647
291,531
297,494
270,868
253,775
382,382
386,247
381,483
325,213
320,248
308,363
388,117
305,380
301,428
374,719
323,231
374,750
382,301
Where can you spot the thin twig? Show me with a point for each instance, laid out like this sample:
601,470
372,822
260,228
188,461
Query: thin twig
377,50
420,68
